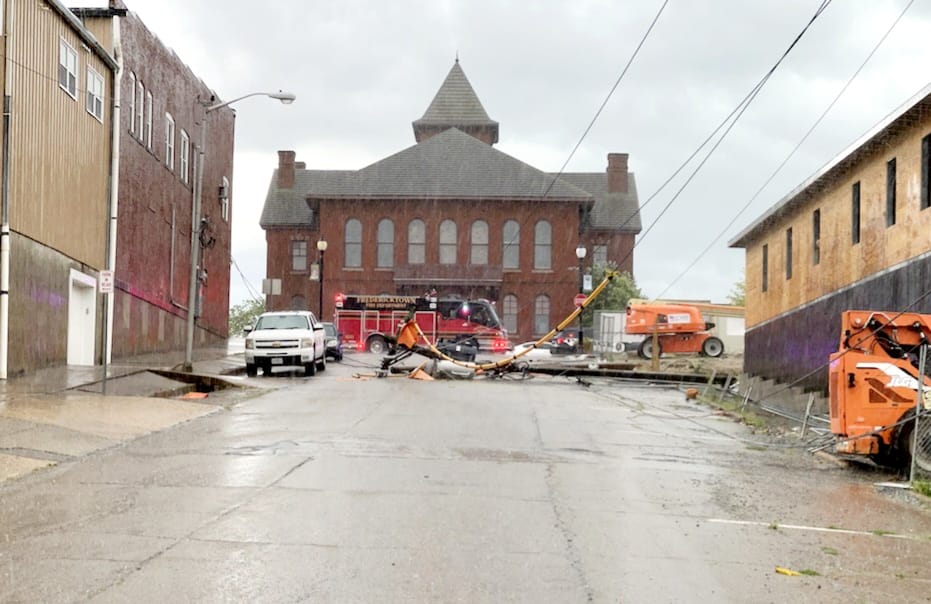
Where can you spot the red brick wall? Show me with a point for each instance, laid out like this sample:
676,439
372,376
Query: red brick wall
152,197
560,283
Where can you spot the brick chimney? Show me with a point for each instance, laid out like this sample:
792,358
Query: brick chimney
286,169
617,172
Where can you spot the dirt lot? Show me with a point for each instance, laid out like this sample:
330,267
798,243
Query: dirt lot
688,363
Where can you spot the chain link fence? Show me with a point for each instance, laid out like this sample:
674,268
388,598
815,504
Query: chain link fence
916,431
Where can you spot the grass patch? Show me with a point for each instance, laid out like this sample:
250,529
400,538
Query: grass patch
882,533
830,551
756,448
734,406
773,526
809,573
922,487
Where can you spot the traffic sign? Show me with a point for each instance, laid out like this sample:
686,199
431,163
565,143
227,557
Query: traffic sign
105,281
579,300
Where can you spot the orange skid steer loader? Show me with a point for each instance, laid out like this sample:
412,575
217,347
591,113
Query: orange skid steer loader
873,383
678,328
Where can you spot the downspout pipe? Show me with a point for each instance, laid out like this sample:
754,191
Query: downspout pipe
114,185
5,190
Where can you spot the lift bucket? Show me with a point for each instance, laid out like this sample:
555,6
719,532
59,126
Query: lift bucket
408,335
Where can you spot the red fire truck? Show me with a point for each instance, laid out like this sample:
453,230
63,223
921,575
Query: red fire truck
371,322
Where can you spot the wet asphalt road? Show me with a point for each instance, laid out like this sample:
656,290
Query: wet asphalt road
332,489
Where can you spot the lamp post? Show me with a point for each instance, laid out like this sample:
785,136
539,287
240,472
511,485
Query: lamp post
321,247
286,98
580,252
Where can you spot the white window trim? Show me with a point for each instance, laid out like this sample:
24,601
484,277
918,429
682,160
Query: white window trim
69,50
299,267
132,102
94,94
225,199
140,99
184,156
169,141
148,120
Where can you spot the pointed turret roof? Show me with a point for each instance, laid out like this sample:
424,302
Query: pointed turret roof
456,106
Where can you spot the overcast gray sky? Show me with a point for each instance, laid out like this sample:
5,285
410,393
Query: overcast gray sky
363,70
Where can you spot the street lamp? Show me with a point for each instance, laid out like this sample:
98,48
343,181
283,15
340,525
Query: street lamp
286,98
321,247
580,252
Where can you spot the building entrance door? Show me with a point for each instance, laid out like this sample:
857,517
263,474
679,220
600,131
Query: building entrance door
82,319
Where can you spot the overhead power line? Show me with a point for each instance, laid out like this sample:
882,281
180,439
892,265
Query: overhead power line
791,153
733,118
607,98
249,287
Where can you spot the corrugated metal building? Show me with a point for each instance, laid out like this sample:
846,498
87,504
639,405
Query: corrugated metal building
58,83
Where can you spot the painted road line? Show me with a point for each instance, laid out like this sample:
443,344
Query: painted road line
817,529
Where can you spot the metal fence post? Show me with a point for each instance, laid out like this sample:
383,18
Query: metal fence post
811,401
746,398
919,406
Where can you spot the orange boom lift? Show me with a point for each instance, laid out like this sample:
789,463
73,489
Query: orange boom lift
678,328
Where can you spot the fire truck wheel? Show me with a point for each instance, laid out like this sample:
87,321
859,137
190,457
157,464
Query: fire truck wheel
377,345
712,347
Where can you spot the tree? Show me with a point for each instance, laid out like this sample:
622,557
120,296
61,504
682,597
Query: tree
615,296
244,314
738,295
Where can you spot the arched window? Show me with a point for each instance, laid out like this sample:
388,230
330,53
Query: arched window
541,315
353,242
385,244
509,313
543,246
511,245
448,240
416,242
479,243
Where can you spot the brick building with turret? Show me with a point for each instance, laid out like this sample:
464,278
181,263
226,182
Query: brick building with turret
451,214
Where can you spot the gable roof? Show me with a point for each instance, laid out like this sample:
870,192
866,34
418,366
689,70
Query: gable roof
612,211
900,120
450,165
455,104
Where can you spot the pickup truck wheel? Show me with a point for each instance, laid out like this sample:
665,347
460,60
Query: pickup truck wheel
310,369
251,369
321,364
266,369
377,345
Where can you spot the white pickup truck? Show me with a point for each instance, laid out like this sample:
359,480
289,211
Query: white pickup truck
286,338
